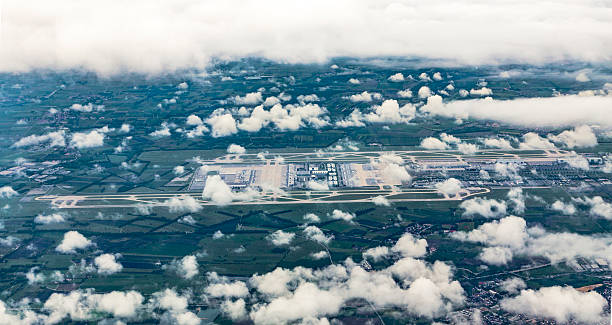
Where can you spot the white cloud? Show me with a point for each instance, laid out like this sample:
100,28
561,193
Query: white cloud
72,241
484,91
311,217
183,203
341,215
381,201
249,99
406,93
281,238
49,219
290,117
561,304
512,237
449,187
316,234
599,207
488,208
513,285
107,264
565,208
424,76
532,112
87,108
91,139
390,112
365,97
424,92
354,81
580,137
467,148
408,246
219,193
7,192
432,143
236,149
393,26
178,170
398,77
377,253
497,143
319,255
56,139
163,131
222,125
187,267
533,140
437,76
230,289
194,120
450,139
235,310
125,128
396,173
303,99
582,77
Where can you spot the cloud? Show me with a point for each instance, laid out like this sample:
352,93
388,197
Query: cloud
497,143
408,246
319,255
529,112
381,201
83,140
49,219
235,289
236,149
396,173
580,137
249,99
488,208
280,238
565,208
311,217
365,97
222,125
424,92
398,77
183,203
288,117
449,187
55,139
467,148
510,236
7,192
484,91
72,241
406,93
60,33
376,253
341,215
219,193
87,108
582,77
431,143
316,234
598,207
561,304
163,131
194,120
235,310
513,285
107,264
187,267
390,112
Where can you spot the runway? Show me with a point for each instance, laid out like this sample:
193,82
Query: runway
293,197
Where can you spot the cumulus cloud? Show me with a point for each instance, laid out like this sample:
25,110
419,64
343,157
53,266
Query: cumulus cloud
598,207
341,215
249,99
236,149
49,219
222,125
561,304
316,234
488,208
365,97
289,117
55,139
510,236
317,186
432,143
83,140
107,264
219,193
390,112
580,137
186,267
449,187
381,201
406,93
396,173
7,192
281,238
377,253
497,143
408,246
183,203
424,92
565,208
194,120
484,91
398,77
72,241
513,285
